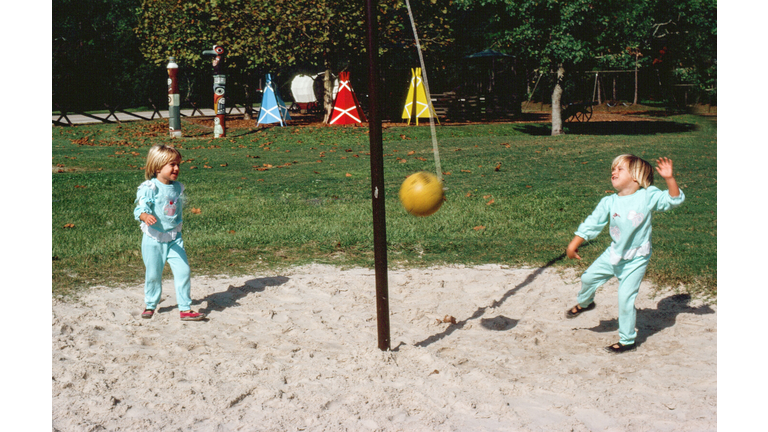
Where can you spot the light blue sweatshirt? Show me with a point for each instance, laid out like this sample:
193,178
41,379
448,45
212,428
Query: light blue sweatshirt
165,203
630,221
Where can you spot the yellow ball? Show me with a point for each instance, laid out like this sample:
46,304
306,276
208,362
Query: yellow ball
421,194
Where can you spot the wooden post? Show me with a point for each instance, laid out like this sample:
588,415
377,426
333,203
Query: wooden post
377,179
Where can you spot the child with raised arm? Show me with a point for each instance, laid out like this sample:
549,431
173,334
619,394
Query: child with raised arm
159,203
629,213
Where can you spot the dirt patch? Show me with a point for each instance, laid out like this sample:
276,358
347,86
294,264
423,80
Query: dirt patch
315,121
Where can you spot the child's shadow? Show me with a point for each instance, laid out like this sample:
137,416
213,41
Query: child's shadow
652,321
229,298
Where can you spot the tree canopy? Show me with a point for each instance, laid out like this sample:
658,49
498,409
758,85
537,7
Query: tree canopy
106,50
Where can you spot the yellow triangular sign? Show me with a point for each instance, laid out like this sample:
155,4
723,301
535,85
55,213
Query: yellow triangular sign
416,101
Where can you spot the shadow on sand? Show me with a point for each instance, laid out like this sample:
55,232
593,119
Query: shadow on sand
229,298
499,323
652,321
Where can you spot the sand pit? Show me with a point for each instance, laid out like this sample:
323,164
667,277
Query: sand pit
297,351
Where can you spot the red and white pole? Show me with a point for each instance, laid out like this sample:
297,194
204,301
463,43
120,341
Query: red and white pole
174,100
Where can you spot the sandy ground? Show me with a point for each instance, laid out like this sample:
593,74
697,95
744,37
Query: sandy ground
298,350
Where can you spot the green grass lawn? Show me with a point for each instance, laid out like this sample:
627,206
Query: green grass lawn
281,196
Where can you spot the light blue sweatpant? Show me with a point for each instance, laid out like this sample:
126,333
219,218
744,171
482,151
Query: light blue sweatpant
155,255
630,273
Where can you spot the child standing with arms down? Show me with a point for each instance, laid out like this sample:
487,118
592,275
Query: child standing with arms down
629,213
159,202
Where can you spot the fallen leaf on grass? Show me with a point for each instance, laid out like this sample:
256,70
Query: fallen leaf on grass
412,152
69,225
469,194
348,175
224,164
498,166
231,231
490,202
479,227
196,210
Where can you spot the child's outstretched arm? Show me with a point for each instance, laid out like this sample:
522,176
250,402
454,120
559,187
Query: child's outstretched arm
573,247
664,168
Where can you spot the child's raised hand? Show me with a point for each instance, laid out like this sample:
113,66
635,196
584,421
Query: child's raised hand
664,167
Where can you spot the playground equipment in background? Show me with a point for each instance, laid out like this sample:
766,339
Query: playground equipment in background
416,102
346,107
305,88
174,99
273,108
219,89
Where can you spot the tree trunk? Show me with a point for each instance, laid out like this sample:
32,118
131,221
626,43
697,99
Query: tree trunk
634,102
248,103
557,96
328,89
328,96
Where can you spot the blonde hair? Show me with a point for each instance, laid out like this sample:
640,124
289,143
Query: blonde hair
157,157
640,170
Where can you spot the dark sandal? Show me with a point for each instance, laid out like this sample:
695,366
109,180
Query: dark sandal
577,310
148,313
618,348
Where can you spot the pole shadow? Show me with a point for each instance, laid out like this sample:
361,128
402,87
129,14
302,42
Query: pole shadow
499,323
652,321
230,298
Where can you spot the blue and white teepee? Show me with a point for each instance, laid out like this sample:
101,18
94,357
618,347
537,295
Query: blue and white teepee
273,108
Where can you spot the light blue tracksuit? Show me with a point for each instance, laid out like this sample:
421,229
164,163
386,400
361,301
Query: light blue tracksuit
162,241
630,251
